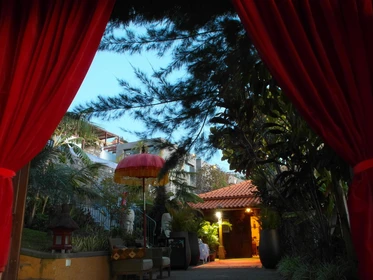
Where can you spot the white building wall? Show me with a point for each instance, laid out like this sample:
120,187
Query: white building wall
107,156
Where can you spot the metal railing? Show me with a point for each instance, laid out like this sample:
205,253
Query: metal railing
102,217
150,226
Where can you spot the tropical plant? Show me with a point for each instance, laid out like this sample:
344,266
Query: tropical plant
295,267
209,233
180,218
110,192
268,218
62,172
288,265
70,137
184,193
89,243
195,223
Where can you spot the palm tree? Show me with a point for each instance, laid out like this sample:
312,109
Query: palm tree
71,136
62,172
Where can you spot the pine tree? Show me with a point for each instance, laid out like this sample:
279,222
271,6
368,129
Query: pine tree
217,56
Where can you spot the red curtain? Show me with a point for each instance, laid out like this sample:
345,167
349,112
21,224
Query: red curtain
45,51
321,54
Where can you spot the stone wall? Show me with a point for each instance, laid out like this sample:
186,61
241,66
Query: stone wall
48,266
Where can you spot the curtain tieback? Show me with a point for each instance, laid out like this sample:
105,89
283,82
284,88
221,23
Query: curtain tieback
362,166
6,173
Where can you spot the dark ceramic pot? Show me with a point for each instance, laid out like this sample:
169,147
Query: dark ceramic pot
194,248
180,255
269,248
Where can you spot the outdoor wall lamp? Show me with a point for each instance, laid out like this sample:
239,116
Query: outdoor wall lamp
221,250
218,215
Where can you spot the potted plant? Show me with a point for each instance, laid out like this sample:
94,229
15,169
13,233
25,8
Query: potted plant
269,241
194,225
179,237
209,235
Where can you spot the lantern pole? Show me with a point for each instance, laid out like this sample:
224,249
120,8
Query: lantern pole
144,213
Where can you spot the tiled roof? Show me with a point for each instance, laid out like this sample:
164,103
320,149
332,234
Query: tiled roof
240,195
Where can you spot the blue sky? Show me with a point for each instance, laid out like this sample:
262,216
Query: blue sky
101,79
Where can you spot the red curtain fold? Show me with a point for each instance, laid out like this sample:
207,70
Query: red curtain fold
320,52
45,52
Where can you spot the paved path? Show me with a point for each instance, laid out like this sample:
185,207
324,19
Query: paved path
230,269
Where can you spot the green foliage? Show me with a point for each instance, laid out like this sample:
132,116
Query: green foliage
209,233
109,194
83,218
129,239
90,237
295,267
159,207
228,88
268,218
184,193
195,224
36,240
180,218
89,243
210,178
339,269
62,172
184,218
288,265
40,222
74,132
212,47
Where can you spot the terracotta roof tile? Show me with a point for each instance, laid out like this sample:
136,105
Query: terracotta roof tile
227,203
243,189
240,195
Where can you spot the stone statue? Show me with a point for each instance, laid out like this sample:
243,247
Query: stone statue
128,220
165,224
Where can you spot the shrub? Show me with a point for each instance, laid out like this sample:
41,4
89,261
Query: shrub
268,218
129,239
40,222
208,232
297,268
331,271
288,266
303,272
82,217
97,242
36,240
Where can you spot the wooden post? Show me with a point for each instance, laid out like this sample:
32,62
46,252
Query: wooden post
20,182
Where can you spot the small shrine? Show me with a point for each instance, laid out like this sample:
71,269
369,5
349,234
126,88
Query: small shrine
62,227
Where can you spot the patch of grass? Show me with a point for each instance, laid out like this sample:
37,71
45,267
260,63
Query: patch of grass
36,240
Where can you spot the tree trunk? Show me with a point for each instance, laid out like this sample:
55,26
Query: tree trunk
33,211
45,204
344,219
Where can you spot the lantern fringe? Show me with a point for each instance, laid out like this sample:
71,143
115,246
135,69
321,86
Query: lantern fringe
124,179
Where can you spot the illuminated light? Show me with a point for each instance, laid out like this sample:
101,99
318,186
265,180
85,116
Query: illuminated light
248,210
218,214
